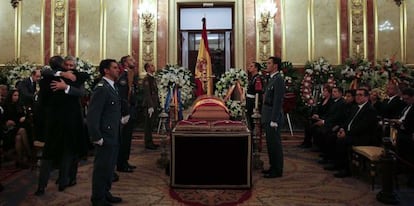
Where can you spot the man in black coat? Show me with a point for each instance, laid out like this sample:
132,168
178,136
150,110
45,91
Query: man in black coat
405,135
61,116
273,118
27,88
104,122
357,131
392,106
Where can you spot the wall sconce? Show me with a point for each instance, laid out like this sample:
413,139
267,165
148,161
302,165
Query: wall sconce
147,14
267,12
398,2
14,3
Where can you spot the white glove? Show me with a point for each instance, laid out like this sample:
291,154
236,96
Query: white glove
99,142
150,111
125,119
273,124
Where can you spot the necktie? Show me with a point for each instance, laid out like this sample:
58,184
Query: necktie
404,112
34,86
350,123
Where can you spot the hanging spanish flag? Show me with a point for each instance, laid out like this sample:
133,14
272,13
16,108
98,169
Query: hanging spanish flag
203,71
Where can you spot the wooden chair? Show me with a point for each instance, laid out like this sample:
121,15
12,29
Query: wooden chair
366,158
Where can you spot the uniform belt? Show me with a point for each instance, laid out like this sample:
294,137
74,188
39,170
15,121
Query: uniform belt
250,96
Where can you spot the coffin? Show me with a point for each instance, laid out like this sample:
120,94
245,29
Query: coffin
209,108
208,152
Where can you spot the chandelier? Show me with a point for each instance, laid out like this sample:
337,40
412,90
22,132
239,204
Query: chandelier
14,3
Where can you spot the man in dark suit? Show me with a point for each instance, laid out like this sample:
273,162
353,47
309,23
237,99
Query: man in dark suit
357,131
60,121
272,117
103,120
393,105
126,89
150,104
27,88
405,135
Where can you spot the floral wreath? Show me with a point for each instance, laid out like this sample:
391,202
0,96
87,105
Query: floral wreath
355,71
175,75
85,66
227,80
17,71
395,71
317,74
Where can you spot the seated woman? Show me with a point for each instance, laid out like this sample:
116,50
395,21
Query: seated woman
16,135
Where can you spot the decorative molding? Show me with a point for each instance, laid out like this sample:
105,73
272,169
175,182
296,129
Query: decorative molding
59,27
357,28
148,31
264,43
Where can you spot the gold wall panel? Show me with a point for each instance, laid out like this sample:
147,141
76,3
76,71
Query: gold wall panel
88,38
410,32
7,32
31,33
296,40
326,34
117,28
388,41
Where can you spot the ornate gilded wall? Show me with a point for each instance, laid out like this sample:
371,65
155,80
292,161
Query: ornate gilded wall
301,30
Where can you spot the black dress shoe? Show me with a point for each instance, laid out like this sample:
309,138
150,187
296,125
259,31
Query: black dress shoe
40,192
324,161
342,174
113,199
305,146
100,203
72,183
115,178
151,147
330,167
125,169
265,171
131,166
269,175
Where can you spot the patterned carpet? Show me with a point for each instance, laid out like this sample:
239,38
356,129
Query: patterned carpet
304,183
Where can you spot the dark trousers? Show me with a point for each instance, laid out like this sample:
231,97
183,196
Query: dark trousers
103,171
125,146
342,153
66,170
274,149
148,126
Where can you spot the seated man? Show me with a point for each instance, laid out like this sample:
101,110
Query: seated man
357,131
405,135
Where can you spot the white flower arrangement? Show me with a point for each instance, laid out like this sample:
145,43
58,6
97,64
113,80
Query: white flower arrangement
18,71
228,79
85,66
175,75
